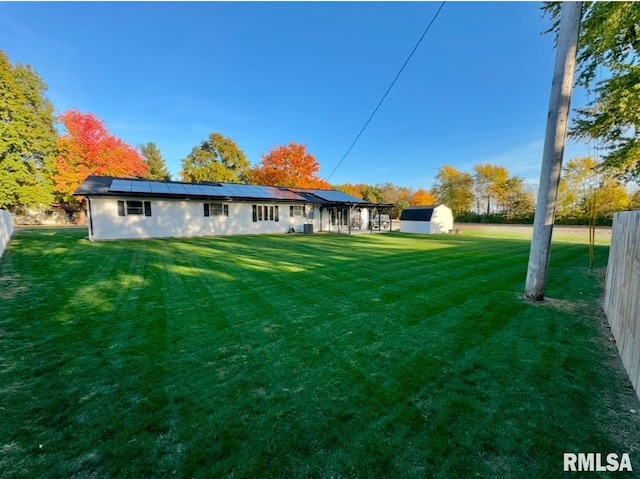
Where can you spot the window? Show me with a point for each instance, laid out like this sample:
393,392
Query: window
134,207
297,210
216,209
126,208
265,213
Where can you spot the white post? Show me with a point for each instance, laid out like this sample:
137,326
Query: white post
555,137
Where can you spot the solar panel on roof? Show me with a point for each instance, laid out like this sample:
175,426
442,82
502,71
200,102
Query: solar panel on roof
209,190
121,185
192,190
159,188
140,187
337,196
177,189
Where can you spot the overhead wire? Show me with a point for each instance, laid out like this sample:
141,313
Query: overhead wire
388,90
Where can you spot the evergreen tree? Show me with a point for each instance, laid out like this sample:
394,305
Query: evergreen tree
157,167
27,137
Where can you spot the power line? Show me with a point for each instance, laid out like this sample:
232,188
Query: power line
388,90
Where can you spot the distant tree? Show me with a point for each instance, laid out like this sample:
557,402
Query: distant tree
422,198
290,166
88,148
157,168
634,200
490,181
404,201
454,189
373,194
27,137
514,200
390,192
609,41
216,159
611,197
579,181
353,190
585,191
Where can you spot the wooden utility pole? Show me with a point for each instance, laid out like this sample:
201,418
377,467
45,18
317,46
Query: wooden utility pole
555,138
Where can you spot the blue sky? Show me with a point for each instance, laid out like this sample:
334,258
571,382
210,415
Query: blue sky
476,90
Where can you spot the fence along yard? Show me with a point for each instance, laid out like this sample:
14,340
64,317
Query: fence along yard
6,229
622,291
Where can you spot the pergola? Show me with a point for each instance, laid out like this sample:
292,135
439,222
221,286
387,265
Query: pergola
339,208
337,203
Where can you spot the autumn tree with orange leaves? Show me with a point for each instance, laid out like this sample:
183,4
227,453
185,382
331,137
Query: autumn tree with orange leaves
89,149
289,166
423,198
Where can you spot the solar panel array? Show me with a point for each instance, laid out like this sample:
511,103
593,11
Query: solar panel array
219,190
336,196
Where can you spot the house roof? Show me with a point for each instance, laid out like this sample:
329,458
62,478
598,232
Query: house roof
111,186
326,196
418,213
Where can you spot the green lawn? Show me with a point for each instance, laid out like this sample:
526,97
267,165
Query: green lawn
303,356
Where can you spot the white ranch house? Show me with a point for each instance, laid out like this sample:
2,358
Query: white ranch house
123,208
426,220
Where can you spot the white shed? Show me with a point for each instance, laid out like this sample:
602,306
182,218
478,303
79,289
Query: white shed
426,220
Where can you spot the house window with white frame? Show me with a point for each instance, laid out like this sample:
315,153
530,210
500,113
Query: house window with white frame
297,210
265,213
134,207
216,209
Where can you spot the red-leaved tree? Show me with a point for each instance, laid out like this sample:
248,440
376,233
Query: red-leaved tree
289,166
89,149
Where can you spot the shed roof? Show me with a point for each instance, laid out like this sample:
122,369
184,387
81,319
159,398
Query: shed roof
418,213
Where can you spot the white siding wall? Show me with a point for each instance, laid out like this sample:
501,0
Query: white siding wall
441,220
182,218
415,227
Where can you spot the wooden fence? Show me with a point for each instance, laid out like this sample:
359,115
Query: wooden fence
622,291
6,229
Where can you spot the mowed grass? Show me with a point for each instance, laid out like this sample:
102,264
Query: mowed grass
303,356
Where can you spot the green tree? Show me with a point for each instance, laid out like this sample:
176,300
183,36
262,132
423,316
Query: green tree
373,194
490,183
157,166
586,191
609,41
27,137
454,189
514,200
579,181
216,159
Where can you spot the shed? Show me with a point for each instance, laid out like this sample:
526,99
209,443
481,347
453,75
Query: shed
426,220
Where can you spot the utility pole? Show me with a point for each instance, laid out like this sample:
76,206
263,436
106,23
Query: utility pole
554,141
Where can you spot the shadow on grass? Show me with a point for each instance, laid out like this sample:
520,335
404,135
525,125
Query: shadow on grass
299,356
